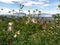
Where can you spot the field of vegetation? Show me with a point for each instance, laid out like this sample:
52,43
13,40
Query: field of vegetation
28,31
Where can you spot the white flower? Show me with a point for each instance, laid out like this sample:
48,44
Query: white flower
10,23
34,20
17,33
15,36
27,22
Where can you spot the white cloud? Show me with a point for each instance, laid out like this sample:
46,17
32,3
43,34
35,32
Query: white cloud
54,12
46,4
8,1
6,11
38,2
27,2
44,0
30,3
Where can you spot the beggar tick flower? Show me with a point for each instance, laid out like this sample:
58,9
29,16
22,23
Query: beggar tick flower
10,23
16,33
34,20
27,22
51,27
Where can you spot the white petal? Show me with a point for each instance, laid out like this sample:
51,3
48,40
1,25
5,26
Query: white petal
15,36
10,23
19,32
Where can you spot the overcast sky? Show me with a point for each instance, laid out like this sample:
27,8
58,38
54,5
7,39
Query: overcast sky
46,6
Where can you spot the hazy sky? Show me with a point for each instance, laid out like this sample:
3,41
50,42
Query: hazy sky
46,6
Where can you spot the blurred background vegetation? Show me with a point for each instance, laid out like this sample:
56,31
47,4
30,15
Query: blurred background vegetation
45,33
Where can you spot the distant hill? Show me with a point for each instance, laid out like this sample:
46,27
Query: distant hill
22,14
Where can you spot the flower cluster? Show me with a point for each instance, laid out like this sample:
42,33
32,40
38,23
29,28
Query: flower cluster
33,20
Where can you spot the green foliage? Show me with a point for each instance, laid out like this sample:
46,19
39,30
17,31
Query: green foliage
30,34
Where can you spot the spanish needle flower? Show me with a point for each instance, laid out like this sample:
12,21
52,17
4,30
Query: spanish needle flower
16,34
10,23
51,27
27,22
34,20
